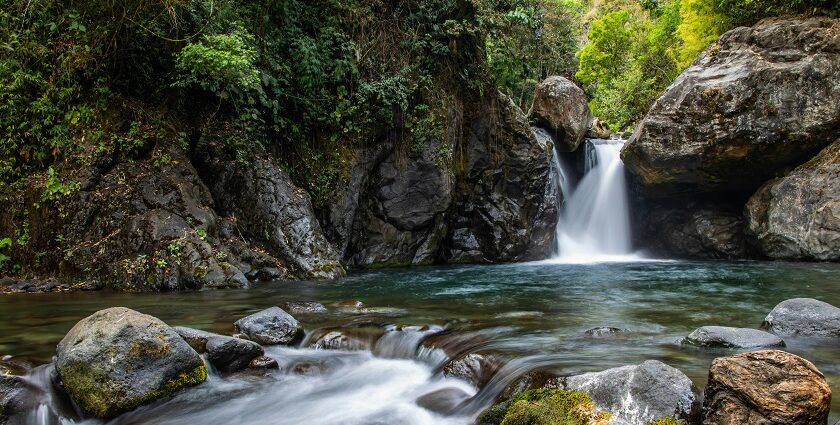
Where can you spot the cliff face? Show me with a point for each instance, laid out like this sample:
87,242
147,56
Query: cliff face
758,102
483,195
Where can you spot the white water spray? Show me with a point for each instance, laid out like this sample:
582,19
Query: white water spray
594,224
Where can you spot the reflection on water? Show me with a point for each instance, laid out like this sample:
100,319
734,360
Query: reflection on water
537,310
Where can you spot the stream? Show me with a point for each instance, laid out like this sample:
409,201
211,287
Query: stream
527,315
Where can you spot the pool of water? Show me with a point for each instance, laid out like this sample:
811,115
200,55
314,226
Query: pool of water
530,309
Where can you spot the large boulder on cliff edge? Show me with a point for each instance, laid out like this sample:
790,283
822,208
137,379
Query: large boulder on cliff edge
765,387
561,107
797,217
117,359
758,100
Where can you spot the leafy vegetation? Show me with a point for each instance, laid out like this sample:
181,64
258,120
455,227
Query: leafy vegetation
309,81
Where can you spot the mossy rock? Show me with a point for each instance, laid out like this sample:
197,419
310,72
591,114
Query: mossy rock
118,359
665,421
546,406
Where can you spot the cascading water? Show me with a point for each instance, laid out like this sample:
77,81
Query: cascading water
594,223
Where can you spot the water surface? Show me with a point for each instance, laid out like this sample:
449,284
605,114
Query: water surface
520,310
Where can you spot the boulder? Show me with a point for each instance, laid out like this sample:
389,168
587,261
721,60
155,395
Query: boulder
804,317
638,394
758,100
118,359
724,336
797,217
232,354
271,326
562,107
765,387
444,401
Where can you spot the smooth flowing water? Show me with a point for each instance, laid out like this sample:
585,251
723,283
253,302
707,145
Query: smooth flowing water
594,223
527,315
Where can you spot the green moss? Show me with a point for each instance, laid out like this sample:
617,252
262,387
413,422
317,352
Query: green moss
665,421
546,406
92,392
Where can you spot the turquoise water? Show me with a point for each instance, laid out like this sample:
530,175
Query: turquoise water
520,309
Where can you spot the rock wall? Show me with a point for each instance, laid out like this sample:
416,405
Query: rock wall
137,224
485,195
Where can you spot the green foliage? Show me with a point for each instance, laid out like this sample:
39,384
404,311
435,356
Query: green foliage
54,188
220,63
528,40
5,243
702,23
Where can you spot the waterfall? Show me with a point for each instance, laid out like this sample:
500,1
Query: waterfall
594,223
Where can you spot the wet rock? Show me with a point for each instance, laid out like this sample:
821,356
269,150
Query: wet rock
603,332
474,368
270,209
232,354
344,340
562,107
765,387
758,100
263,362
444,401
797,217
118,359
804,317
18,398
530,381
638,394
724,336
271,326
598,130
305,308
228,354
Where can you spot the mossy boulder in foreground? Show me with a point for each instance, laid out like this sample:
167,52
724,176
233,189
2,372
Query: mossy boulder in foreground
118,359
546,406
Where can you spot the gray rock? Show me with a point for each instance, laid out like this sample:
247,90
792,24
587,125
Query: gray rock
305,308
263,362
724,336
797,217
474,368
118,359
758,100
271,326
18,399
804,317
232,354
562,107
270,209
444,401
196,338
640,393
